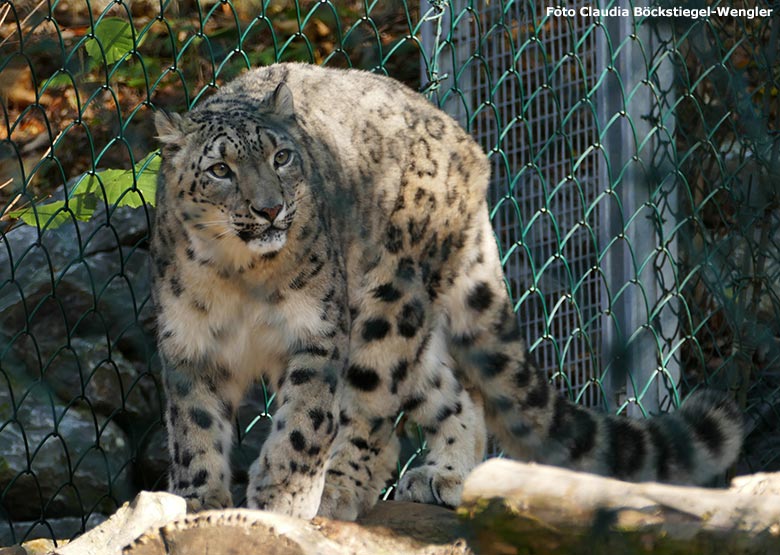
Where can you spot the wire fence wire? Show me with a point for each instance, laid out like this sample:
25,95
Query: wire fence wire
634,199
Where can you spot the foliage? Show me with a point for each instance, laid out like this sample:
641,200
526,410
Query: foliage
130,188
113,41
96,79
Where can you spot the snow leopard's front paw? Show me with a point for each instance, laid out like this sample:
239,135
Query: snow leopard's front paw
432,485
219,498
301,501
277,489
338,503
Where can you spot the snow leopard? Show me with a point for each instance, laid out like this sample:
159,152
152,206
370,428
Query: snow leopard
327,231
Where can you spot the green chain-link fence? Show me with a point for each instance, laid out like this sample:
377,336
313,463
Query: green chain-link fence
635,166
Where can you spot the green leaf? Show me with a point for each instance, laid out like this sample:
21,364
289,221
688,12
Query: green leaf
116,185
58,81
146,176
53,214
116,37
116,182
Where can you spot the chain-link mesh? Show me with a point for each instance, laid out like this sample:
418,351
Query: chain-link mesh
635,160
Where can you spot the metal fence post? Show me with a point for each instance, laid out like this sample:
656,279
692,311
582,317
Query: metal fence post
639,232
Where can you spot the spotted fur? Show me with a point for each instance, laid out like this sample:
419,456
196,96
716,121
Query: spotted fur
327,231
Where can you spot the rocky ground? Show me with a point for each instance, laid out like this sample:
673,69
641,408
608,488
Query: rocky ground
507,508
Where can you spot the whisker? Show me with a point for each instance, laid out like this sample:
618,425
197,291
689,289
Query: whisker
214,223
225,233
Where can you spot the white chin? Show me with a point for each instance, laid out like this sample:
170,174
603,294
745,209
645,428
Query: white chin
261,246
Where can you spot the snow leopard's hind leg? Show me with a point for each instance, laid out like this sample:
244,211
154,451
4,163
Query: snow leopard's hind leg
454,429
399,362
366,453
391,321
362,461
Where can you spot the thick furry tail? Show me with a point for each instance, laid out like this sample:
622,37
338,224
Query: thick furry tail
699,441
690,446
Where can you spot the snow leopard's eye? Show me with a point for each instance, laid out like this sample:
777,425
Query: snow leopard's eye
282,158
220,170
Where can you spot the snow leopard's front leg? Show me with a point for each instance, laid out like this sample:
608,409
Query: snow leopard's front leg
289,475
200,404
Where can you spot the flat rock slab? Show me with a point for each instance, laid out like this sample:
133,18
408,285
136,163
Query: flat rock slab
242,531
526,507
425,523
147,511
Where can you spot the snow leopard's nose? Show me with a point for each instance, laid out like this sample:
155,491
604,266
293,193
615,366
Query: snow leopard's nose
269,212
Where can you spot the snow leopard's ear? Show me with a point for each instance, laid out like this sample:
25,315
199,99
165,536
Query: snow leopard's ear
171,128
282,101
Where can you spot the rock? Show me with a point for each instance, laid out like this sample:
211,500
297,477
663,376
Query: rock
128,228
58,460
156,524
40,547
761,483
147,511
429,524
79,386
28,262
37,324
61,528
526,507
105,377
153,459
99,299
94,286
243,531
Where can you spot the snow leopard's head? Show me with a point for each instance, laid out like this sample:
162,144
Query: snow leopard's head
232,175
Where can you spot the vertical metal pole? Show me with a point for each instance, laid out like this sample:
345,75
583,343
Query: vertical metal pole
643,179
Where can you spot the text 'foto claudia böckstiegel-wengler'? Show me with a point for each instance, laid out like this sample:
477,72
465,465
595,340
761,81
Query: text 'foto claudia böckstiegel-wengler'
657,11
